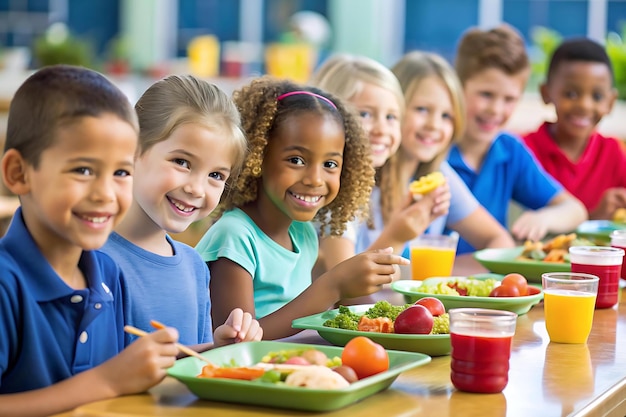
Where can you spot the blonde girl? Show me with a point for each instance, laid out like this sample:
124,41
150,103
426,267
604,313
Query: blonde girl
434,119
190,147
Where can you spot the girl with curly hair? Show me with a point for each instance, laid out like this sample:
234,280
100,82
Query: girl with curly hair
308,160
395,217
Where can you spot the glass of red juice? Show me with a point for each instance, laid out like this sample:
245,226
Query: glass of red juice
481,347
606,263
618,240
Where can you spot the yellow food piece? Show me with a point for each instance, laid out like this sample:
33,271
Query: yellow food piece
427,183
620,215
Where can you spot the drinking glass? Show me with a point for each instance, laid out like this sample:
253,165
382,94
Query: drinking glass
433,255
568,303
481,347
605,263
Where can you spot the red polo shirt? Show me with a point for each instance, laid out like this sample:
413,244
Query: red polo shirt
601,166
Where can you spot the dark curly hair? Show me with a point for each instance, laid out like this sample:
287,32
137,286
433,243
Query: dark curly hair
261,112
578,49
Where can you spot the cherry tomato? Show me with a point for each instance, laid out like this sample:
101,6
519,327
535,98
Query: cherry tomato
516,280
434,305
365,357
504,291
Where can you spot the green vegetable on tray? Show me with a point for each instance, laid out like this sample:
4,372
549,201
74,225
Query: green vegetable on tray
469,286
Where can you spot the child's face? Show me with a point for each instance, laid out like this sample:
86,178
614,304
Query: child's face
380,116
302,165
582,94
181,179
429,120
83,185
490,97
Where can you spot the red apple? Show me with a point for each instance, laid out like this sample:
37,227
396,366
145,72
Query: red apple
434,305
414,320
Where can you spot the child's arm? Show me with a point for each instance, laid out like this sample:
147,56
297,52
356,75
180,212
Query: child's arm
413,219
482,231
562,215
238,327
361,275
137,368
612,199
408,222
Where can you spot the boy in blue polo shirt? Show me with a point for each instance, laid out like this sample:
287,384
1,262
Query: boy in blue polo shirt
71,141
496,166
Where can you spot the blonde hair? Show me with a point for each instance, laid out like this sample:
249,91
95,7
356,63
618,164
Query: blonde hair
415,67
262,112
181,99
344,76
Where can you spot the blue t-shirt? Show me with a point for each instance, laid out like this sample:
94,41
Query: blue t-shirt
278,275
171,289
49,331
509,172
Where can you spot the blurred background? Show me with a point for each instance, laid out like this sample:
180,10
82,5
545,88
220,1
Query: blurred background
242,38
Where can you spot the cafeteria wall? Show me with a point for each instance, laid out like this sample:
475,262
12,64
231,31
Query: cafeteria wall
382,29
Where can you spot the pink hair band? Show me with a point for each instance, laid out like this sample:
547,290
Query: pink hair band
308,93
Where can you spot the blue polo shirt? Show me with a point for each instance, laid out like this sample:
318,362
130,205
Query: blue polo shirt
509,172
49,331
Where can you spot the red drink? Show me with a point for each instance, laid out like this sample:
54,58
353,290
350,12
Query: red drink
604,262
623,271
480,363
608,286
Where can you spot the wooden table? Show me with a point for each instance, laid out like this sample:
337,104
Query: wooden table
545,379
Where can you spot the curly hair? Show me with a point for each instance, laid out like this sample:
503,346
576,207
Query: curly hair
344,75
261,113
502,48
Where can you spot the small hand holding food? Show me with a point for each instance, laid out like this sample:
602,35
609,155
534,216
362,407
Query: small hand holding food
366,272
239,327
612,200
530,225
142,364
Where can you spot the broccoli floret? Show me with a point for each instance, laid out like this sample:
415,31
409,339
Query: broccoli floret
441,324
385,309
345,319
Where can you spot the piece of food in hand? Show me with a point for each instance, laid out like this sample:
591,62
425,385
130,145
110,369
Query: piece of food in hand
316,377
427,183
619,215
416,319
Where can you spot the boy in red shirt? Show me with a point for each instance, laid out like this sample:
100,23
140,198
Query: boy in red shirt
590,166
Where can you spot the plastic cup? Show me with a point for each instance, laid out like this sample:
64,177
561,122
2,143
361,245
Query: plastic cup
605,263
481,347
568,303
433,255
618,240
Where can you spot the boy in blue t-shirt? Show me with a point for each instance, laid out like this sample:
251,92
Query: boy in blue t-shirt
493,67
71,140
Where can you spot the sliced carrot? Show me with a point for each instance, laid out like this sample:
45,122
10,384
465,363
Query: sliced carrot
232,373
379,324
157,325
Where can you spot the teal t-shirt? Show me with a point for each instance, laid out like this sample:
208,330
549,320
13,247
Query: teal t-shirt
278,275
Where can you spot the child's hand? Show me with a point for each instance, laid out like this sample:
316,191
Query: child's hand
415,216
530,225
612,199
366,272
239,327
142,364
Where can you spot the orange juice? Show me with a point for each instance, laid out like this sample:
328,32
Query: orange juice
431,262
569,315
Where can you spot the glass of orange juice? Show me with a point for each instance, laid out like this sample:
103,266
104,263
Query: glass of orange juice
569,300
433,255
